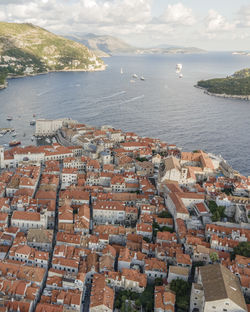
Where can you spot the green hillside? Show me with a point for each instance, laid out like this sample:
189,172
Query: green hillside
29,49
237,84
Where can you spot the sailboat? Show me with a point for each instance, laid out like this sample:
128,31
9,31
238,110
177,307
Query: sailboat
121,71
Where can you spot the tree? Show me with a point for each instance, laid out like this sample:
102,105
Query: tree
214,257
165,214
147,298
182,291
243,249
158,281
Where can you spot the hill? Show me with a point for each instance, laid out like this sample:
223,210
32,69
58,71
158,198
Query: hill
103,46
170,50
236,85
26,49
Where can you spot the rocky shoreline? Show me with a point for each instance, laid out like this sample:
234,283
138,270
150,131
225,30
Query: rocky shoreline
224,95
3,86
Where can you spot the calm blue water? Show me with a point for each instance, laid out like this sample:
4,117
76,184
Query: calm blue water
163,106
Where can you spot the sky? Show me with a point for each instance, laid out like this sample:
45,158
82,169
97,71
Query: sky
207,24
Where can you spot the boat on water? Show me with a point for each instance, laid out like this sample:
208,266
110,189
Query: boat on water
180,76
14,143
32,122
178,67
14,134
135,76
121,70
32,138
9,118
142,78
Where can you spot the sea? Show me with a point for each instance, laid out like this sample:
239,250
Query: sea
162,106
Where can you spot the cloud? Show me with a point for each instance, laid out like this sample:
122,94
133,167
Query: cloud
178,14
133,20
215,22
244,16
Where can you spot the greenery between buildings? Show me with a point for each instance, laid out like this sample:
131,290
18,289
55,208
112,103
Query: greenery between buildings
214,257
157,228
182,290
217,211
146,300
165,214
243,249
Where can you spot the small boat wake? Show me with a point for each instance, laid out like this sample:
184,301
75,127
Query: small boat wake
112,95
42,93
133,99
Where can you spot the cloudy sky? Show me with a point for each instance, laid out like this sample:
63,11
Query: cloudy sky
208,24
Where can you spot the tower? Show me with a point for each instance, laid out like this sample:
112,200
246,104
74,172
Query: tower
1,157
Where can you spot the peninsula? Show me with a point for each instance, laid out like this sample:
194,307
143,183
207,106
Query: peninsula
105,219
26,49
235,86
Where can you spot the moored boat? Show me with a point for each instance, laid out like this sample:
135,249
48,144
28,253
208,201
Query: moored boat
32,122
9,118
14,143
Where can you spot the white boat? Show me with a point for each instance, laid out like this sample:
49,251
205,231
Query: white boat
178,67
121,70
135,76
180,76
14,134
142,78
32,122
9,118
32,138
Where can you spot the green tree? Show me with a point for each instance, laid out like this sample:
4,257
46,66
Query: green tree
182,291
158,281
214,257
243,249
147,298
165,214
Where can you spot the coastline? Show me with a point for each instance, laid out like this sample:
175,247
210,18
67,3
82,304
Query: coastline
224,95
4,86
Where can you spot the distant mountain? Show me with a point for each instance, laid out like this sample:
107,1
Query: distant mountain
104,46
26,49
170,50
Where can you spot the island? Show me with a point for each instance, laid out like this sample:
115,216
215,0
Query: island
106,46
235,86
26,49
